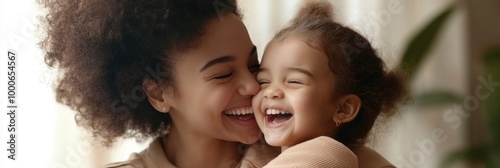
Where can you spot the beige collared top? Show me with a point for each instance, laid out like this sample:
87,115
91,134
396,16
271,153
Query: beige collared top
318,152
255,156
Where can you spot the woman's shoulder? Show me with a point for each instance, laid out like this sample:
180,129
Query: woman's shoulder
151,157
370,158
135,161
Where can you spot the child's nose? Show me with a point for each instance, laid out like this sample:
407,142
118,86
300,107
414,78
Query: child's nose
273,92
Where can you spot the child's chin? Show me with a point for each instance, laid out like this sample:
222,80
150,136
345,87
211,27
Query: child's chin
274,141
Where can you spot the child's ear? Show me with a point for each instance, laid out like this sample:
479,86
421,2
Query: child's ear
348,108
161,98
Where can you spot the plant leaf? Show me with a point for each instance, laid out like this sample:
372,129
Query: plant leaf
436,98
491,108
487,154
477,154
422,42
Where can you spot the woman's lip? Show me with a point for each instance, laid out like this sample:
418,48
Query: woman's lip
249,122
237,107
241,105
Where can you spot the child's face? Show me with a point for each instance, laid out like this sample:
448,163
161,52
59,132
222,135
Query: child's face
215,83
295,100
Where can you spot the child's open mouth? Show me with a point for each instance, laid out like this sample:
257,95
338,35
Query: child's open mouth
276,117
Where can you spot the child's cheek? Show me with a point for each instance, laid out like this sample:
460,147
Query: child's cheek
256,105
256,101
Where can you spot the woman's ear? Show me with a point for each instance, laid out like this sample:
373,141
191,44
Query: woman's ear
348,108
161,98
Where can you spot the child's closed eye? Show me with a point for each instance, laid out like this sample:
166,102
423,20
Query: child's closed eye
295,82
263,82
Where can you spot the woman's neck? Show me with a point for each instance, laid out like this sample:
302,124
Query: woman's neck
187,149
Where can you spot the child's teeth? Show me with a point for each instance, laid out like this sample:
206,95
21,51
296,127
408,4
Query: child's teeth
275,112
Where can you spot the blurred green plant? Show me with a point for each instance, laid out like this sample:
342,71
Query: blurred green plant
422,43
487,153
414,54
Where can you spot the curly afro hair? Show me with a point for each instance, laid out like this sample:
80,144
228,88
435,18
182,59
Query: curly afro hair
355,64
105,49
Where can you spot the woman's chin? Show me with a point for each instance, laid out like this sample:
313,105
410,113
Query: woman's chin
251,139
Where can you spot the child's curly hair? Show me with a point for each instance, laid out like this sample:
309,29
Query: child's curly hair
105,49
357,67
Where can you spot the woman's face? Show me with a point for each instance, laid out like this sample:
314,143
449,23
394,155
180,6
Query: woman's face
295,103
215,84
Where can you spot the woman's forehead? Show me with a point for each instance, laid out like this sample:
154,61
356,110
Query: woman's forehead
223,37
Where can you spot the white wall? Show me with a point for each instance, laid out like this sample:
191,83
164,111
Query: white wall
49,137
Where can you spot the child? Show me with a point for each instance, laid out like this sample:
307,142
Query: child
322,87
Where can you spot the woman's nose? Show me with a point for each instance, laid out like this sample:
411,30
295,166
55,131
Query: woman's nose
248,85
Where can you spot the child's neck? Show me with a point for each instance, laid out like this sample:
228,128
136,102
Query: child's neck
283,148
188,149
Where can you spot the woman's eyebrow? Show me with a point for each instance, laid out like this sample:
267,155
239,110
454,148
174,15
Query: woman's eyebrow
254,49
219,60
223,59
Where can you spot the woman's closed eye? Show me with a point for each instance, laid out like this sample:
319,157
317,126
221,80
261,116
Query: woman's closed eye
223,76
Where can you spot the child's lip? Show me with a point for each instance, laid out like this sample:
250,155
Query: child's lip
263,110
266,116
276,125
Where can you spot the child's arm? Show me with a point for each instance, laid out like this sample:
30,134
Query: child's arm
319,152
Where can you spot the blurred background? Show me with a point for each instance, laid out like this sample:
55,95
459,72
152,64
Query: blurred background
450,49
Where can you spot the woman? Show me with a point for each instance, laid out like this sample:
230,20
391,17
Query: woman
144,68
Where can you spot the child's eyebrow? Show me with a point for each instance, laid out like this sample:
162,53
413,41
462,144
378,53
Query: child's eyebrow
300,70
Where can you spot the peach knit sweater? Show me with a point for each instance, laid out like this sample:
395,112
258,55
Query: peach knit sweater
321,152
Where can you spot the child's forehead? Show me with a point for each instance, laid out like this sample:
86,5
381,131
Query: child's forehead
297,38
293,45
294,52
